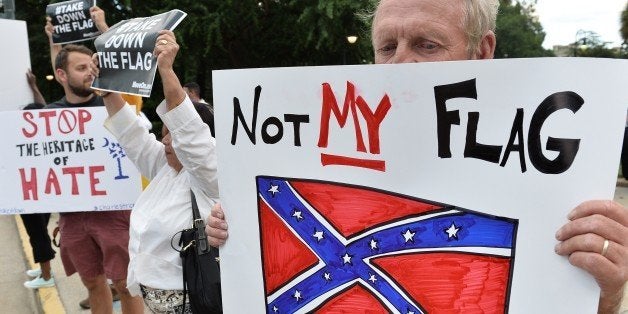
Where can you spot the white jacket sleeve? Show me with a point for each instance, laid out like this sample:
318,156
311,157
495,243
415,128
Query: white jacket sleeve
193,144
144,150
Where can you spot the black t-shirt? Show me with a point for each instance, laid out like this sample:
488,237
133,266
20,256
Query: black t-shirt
63,103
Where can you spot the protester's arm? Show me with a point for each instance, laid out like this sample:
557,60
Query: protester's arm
38,98
98,16
191,138
113,101
166,49
54,48
216,227
582,239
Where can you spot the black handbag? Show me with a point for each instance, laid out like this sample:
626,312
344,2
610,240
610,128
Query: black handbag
201,267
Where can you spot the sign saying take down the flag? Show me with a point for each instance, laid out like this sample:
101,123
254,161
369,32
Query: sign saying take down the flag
329,247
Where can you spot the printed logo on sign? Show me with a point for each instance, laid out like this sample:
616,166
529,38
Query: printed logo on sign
92,34
329,247
141,85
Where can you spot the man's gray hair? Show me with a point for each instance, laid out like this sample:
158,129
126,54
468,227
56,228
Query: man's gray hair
479,18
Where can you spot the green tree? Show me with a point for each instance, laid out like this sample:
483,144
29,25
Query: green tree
225,34
624,33
519,32
589,44
624,24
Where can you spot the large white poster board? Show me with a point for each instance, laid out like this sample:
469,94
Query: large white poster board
14,62
63,160
432,187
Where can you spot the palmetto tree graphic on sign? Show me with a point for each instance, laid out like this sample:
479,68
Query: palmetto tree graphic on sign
117,152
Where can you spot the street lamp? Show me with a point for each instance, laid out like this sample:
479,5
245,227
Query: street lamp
581,41
351,39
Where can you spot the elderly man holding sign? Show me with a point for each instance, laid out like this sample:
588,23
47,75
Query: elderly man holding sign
596,236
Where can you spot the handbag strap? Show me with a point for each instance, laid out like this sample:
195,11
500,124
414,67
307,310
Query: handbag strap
201,241
201,245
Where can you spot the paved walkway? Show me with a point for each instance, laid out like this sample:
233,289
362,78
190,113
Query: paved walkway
16,256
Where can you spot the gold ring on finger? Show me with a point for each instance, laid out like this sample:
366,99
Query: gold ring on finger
163,42
605,247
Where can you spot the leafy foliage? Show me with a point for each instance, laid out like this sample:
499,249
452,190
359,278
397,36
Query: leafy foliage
225,34
519,32
624,23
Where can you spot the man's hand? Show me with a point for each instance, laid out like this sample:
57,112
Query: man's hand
216,227
49,29
30,77
166,49
98,16
94,66
583,239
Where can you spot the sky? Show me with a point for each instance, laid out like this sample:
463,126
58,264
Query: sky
561,20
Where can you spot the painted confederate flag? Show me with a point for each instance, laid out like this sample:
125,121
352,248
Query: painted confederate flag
338,248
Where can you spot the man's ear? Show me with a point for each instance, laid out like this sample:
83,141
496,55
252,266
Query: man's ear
486,50
61,76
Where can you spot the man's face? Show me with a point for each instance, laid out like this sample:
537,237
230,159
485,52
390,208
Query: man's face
78,75
419,30
191,94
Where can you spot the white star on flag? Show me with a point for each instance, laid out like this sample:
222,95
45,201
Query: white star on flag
327,276
297,295
318,235
452,232
346,259
409,235
372,278
297,215
373,244
274,189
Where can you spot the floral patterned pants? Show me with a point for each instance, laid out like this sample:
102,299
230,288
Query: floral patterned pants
165,301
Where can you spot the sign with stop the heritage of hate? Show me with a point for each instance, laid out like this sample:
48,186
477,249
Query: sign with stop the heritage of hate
71,21
434,187
63,160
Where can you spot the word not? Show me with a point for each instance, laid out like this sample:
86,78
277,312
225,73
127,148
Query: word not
566,148
30,188
66,122
57,146
267,137
125,60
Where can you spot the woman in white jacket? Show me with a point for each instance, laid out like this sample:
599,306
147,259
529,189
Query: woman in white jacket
184,160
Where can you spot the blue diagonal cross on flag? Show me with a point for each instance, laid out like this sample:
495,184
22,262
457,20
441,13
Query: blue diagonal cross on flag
335,247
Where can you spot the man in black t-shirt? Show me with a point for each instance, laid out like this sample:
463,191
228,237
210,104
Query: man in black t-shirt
94,244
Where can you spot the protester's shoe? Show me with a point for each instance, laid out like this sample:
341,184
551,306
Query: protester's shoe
33,272
85,304
114,293
40,282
